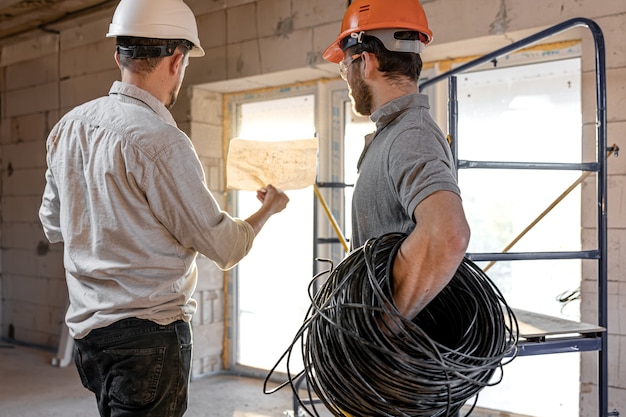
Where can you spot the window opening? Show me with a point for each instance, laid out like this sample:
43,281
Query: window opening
271,281
527,113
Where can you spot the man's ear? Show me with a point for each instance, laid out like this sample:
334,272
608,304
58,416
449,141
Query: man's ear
116,56
370,64
178,61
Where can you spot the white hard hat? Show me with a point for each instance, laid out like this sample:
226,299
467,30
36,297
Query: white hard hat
156,19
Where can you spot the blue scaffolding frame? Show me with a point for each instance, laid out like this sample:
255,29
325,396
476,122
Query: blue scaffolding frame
596,339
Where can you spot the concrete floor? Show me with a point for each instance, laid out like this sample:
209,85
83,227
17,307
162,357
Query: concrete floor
31,387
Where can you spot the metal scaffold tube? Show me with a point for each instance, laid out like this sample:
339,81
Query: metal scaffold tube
600,167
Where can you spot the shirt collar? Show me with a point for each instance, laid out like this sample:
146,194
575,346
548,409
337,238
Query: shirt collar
121,89
389,111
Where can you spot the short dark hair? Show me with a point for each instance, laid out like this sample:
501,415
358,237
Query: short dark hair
392,64
144,54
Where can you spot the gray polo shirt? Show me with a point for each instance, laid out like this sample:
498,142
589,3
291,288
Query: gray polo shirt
126,194
407,159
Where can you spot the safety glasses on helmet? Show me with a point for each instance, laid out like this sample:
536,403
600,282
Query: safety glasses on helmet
343,65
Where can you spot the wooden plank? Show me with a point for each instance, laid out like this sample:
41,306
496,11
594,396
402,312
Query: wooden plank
535,325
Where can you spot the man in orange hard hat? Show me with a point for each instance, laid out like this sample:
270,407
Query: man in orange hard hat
126,194
407,180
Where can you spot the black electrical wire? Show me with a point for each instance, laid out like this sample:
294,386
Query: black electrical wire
356,365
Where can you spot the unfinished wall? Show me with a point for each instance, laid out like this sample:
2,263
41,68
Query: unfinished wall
250,44
203,122
32,278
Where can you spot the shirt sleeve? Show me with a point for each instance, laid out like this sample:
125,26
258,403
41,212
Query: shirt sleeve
178,195
49,211
420,163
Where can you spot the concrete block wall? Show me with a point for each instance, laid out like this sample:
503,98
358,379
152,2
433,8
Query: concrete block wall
43,77
33,299
256,43
205,125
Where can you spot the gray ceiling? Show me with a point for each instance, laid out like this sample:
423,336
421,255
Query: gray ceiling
20,16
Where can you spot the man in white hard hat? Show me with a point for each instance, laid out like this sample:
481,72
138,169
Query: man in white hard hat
126,194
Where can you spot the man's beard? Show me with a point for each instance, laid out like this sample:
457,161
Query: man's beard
361,95
174,92
172,99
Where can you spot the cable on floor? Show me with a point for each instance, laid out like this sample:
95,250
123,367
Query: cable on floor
431,366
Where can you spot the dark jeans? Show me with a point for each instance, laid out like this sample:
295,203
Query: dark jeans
137,368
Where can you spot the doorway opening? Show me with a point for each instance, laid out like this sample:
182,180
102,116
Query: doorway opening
270,283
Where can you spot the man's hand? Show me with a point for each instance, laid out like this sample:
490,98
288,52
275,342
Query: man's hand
273,200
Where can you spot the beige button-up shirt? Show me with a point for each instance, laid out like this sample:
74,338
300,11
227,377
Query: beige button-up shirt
126,194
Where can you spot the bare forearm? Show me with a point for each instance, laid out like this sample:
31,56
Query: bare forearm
431,254
258,220
421,270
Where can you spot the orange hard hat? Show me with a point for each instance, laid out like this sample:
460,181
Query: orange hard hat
382,17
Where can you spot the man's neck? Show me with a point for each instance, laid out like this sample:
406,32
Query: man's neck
151,83
386,92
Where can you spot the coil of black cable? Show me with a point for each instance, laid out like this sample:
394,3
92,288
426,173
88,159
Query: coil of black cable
356,366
